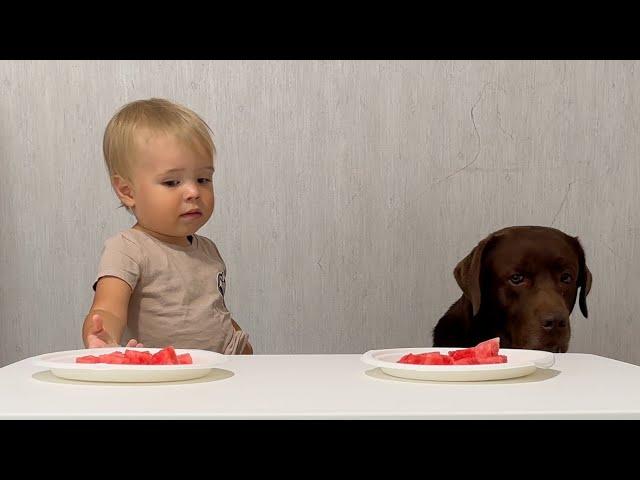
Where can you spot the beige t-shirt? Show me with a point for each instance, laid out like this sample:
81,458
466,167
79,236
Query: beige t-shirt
177,292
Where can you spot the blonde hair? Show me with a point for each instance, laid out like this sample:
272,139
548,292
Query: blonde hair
158,116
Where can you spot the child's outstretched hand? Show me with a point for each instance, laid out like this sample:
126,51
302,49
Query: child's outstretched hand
98,337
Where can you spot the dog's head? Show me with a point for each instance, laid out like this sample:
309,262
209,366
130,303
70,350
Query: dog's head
525,280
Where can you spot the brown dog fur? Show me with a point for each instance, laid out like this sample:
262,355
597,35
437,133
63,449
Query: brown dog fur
519,284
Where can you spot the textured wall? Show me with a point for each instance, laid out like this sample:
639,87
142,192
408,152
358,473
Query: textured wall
346,190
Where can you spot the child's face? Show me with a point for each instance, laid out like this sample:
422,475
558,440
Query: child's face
172,187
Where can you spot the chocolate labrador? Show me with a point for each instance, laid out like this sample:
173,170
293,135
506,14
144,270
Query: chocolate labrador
519,284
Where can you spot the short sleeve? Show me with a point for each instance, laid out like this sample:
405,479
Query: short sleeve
121,258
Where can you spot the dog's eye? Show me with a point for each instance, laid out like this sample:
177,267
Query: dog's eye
516,279
565,278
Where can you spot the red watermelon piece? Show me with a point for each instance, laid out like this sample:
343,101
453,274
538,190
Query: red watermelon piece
165,356
483,353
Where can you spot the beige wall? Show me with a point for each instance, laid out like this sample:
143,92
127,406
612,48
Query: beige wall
346,190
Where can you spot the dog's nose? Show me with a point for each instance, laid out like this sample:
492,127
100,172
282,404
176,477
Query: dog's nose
553,320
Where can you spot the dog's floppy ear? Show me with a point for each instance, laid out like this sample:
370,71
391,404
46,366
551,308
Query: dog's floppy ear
467,274
584,278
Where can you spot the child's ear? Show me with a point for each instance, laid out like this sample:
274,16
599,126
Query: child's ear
124,190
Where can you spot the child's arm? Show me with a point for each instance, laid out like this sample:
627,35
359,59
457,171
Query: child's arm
107,318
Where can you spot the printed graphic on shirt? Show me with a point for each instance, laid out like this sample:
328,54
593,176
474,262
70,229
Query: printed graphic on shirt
221,283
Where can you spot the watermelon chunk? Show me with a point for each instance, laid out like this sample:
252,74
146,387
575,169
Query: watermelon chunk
494,359
138,358
435,358
466,361
185,359
488,348
464,353
165,356
483,353
114,358
410,358
87,359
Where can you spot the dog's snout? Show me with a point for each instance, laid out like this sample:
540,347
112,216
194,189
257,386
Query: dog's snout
551,321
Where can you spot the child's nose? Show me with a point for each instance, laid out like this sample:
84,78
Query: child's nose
191,191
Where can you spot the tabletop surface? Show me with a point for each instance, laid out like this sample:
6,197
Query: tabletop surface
341,386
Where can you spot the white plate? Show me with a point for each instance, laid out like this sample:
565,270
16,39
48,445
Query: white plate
519,363
62,364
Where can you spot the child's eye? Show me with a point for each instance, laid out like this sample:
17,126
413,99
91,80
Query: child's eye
204,180
171,183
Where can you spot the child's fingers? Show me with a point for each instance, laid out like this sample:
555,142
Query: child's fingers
95,342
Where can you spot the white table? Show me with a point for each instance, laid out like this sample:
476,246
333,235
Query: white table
578,386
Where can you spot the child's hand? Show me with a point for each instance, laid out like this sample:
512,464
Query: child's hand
98,337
